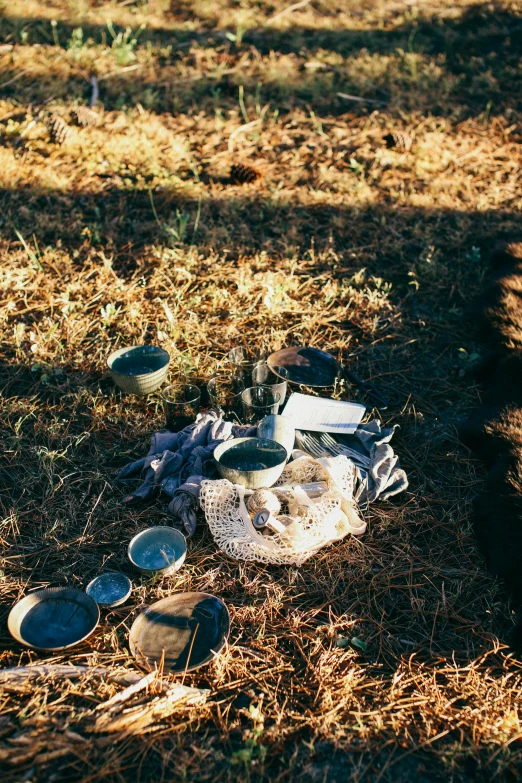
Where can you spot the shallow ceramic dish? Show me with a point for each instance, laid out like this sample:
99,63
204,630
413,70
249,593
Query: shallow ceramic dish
181,632
109,589
251,462
318,369
140,369
158,550
54,618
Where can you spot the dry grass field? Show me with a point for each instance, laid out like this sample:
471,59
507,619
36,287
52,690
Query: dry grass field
383,658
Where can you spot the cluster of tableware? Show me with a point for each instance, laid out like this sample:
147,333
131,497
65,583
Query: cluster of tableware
245,388
185,630
181,632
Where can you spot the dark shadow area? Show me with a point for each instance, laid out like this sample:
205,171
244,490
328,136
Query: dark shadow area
36,450
66,536
474,62
479,31
36,455
122,222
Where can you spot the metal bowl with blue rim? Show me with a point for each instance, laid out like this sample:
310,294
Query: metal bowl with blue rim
180,633
158,550
109,589
54,618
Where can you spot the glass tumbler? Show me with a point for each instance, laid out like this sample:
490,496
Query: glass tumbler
224,391
258,402
244,359
181,404
263,375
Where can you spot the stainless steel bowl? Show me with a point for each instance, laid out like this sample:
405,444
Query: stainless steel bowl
54,618
158,550
251,462
180,633
140,369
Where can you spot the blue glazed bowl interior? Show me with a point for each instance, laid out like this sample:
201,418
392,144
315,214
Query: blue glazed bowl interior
109,588
157,548
140,360
252,454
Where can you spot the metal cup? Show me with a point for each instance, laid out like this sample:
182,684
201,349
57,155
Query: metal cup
279,429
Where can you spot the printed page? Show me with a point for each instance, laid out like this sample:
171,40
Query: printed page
320,414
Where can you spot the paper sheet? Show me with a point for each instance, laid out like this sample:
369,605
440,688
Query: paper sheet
321,414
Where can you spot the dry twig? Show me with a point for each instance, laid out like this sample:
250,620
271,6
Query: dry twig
288,10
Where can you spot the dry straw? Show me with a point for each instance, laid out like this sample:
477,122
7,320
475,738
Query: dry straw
382,658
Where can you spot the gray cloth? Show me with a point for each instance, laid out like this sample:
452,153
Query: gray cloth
384,477
184,503
177,462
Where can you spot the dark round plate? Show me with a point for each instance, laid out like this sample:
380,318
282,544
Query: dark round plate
181,632
306,366
54,618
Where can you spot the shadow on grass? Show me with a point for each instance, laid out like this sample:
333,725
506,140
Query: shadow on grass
480,30
51,485
122,222
470,62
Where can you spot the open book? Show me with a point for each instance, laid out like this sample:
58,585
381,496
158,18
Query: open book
321,414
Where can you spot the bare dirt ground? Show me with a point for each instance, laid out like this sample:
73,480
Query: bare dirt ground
383,658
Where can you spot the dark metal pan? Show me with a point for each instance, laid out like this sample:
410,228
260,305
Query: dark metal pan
181,632
319,369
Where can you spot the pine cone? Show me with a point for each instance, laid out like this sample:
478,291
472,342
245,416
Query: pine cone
59,131
399,140
85,117
241,174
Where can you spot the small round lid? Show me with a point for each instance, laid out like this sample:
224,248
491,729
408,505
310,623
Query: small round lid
110,589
